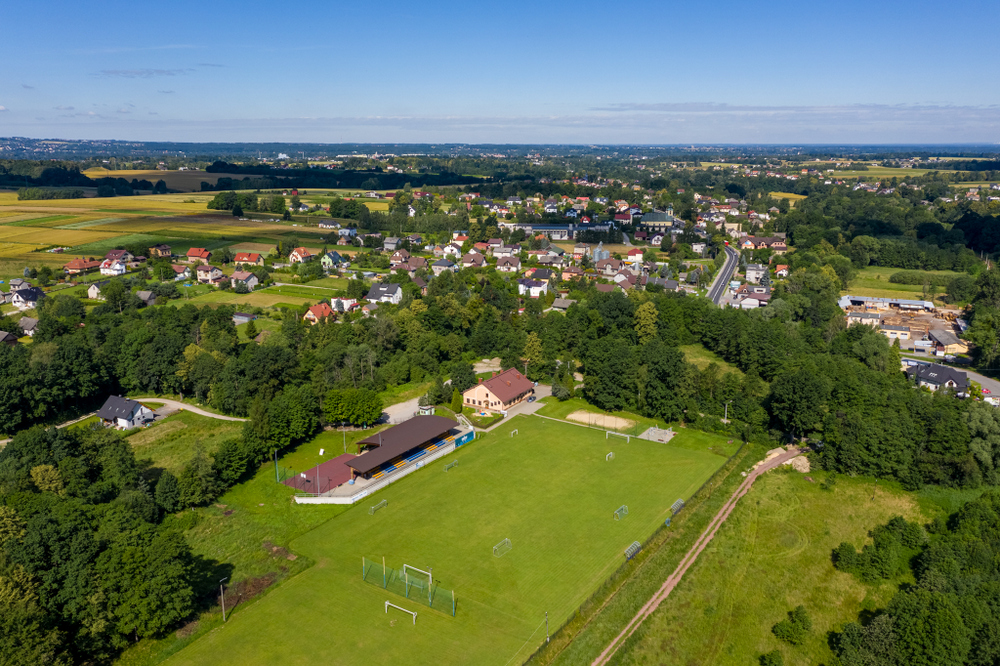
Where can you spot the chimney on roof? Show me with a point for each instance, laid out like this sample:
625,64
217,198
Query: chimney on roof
493,375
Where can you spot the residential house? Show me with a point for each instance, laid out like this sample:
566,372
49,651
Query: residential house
8,339
755,272
27,299
500,392
246,278
442,265
531,288
421,284
28,325
662,283
507,251
634,256
608,288
347,232
146,297
199,254
249,258
299,255
509,264
331,260
781,270
609,266
934,377
452,250
494,243
343,304
872,319
399,257
473,260
392,244
81,265
208,274
243,318
625,280
17,284
123,413
94,291
181,272
160,252
123,256
562,304
698,248
113,268
319,312
385,293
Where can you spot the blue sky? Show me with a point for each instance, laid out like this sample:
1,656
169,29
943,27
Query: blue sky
515,72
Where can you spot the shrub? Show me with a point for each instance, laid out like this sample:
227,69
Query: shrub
772,658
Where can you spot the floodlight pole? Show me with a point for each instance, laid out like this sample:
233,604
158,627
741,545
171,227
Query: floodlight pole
222,592
546,626
726,417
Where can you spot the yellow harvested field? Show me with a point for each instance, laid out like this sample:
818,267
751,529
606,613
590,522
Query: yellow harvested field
41,236
787,195
185,181
16,249
377,205
261,300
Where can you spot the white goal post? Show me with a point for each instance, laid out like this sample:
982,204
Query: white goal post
621,512
513,432
610,456
412,613
376,507
608,433
429,573
502,548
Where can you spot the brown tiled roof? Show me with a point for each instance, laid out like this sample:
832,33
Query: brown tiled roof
508,385
399,439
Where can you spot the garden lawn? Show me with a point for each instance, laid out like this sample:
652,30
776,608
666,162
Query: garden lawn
548,489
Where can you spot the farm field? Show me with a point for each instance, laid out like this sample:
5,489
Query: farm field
770,556
787,195
548,489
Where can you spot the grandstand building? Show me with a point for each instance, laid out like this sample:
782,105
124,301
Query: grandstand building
500,392
396,448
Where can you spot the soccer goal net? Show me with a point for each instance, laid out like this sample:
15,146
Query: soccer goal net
608,433
677,506
621,512
610,456
376,507
453,463
502,548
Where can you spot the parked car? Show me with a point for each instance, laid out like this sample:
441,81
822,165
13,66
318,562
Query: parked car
531,399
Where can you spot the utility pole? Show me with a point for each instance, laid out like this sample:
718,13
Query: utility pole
726,417
222,592
546,626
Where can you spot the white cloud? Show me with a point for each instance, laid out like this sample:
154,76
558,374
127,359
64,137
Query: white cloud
4,108
64,108
143,73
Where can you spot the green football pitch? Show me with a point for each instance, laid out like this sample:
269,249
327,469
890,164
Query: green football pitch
549,489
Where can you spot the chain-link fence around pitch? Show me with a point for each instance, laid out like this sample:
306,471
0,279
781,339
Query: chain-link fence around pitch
415,587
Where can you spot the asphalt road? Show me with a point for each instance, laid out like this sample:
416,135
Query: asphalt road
718,288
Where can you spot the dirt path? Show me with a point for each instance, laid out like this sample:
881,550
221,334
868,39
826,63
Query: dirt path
689,559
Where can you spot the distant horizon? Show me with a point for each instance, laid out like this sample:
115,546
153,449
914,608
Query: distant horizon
540,144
